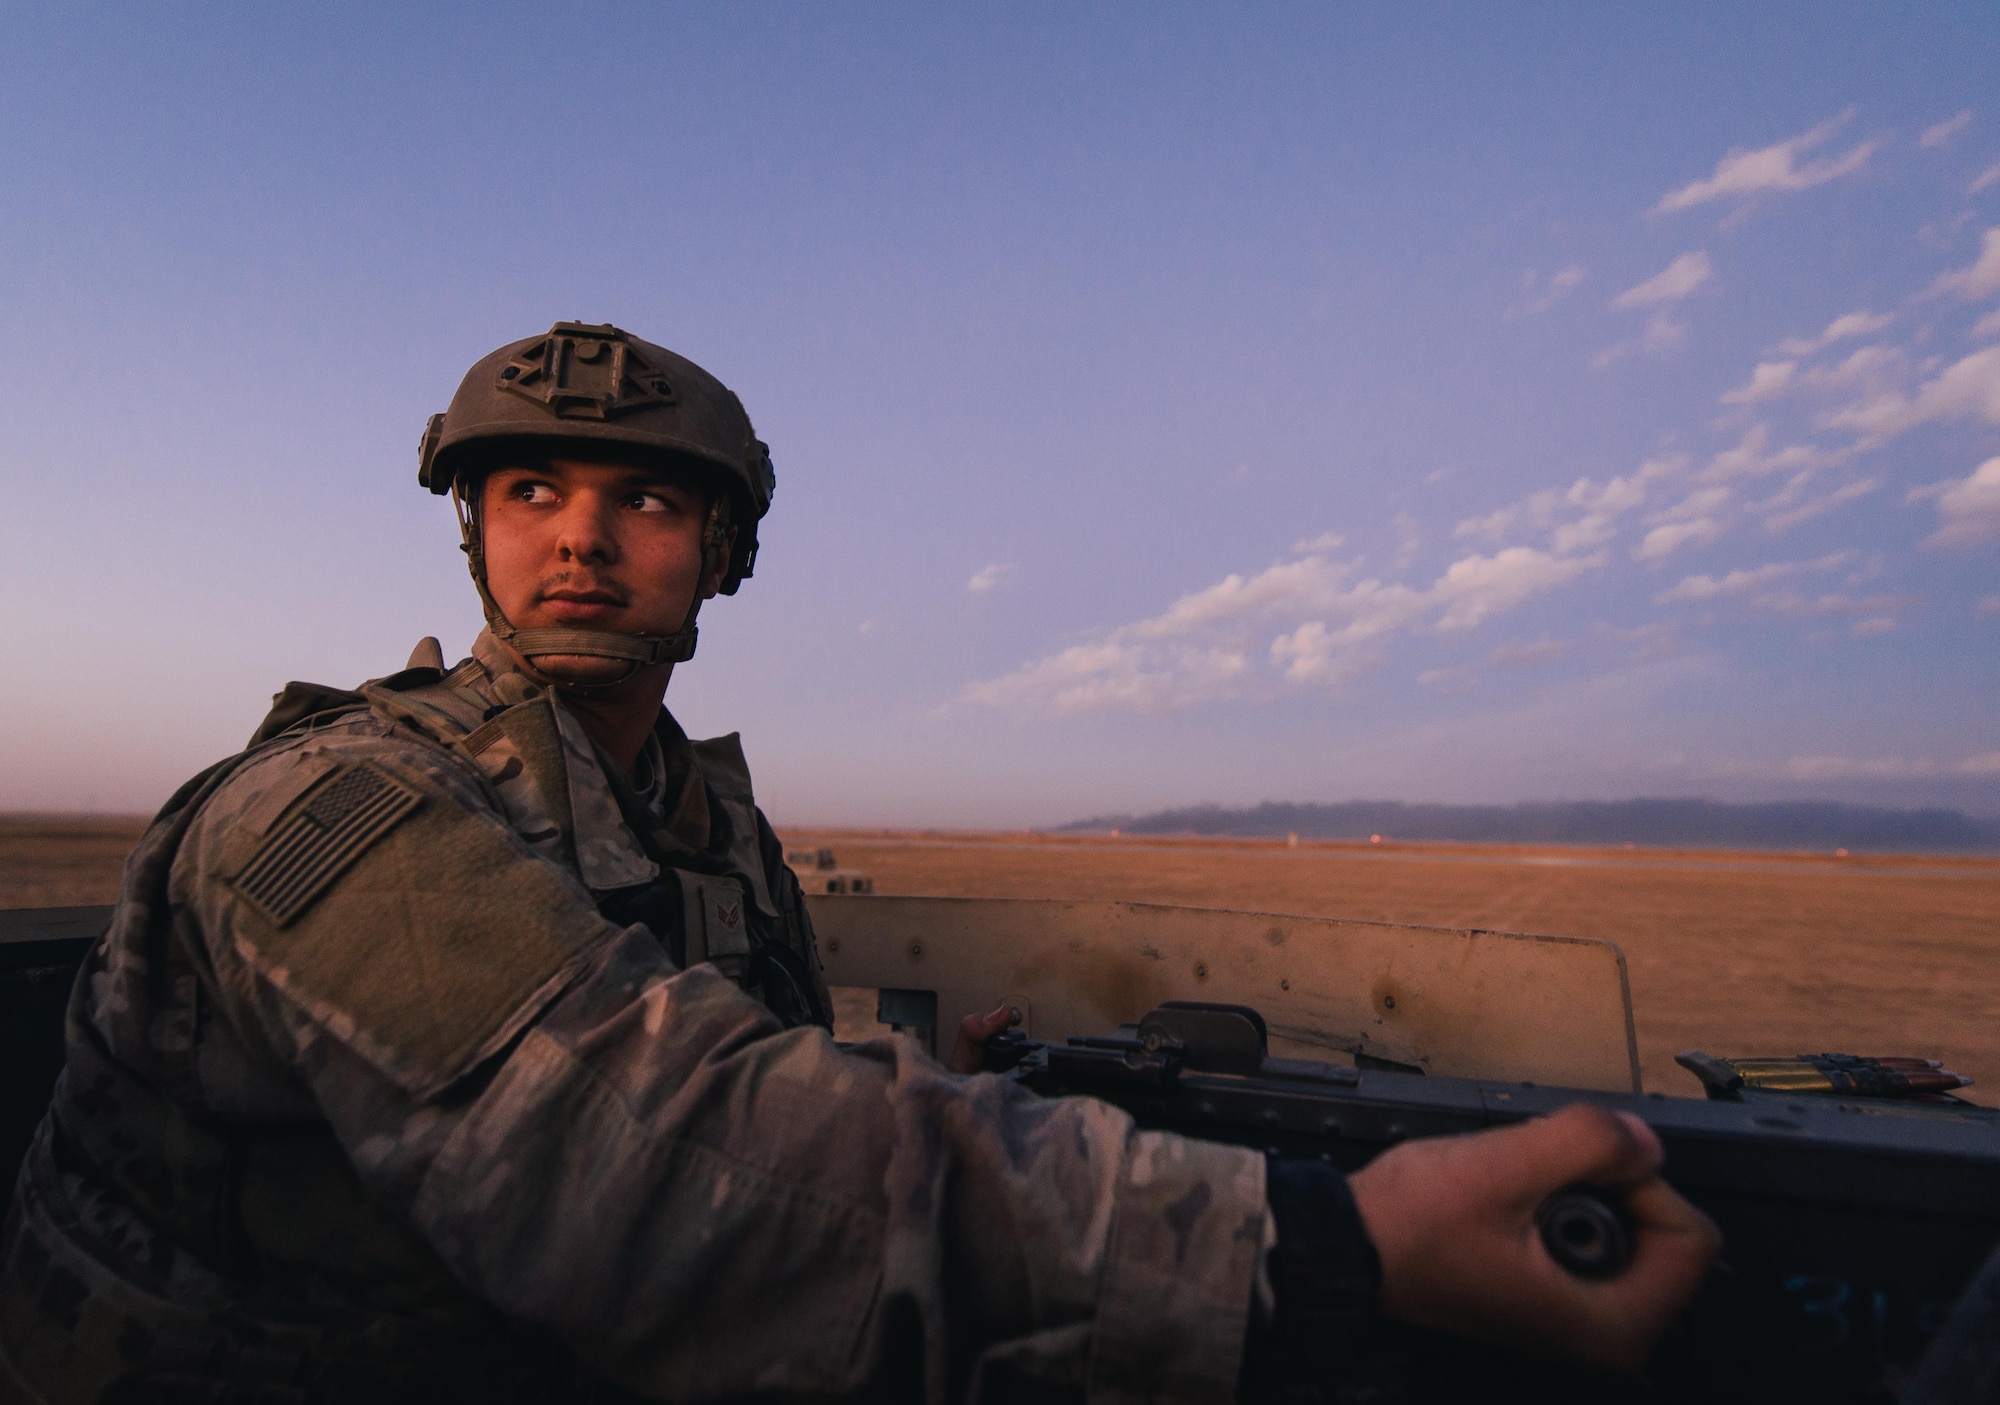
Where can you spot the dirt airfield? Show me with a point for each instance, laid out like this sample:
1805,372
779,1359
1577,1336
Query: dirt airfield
1735,953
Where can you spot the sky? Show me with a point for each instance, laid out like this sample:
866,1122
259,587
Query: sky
1170,403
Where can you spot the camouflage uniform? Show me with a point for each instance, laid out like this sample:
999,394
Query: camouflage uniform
427,1058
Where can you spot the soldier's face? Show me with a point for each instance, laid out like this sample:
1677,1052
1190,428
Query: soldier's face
582,545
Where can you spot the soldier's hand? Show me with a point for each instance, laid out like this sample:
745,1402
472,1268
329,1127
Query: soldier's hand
968,1055
1453,1219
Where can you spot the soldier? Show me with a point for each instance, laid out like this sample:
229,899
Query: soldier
464,1038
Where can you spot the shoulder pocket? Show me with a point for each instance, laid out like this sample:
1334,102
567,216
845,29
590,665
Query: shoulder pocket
412,929
327,828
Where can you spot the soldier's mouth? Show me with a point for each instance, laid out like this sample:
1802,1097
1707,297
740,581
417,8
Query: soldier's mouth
582,605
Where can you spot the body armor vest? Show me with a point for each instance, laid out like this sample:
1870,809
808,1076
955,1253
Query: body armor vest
141,1243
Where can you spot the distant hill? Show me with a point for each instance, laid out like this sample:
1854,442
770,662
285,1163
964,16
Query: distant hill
1805,824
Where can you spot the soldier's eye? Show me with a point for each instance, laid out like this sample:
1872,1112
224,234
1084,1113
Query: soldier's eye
535,493
650,502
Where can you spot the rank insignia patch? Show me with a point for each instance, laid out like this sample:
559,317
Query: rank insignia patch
328,828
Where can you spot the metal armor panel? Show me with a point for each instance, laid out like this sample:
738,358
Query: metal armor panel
1464,1002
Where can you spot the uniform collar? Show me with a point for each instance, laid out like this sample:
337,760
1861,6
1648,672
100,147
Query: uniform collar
607,808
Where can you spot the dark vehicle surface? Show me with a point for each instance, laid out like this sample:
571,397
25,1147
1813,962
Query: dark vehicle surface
40,950
1850,1223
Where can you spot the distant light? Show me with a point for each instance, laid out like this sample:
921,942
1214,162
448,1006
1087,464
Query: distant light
1114,834
1840,853
1292,838
1374,839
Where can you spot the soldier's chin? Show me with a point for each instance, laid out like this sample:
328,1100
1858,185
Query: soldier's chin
581,670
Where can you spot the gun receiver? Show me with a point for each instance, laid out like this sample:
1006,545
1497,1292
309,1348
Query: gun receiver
1851,1224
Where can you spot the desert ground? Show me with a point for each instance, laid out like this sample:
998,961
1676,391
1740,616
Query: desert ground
1735,953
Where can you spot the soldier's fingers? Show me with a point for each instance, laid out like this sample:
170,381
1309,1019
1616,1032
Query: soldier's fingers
1667,1222
1579,1144
1674,1246
968,1054
984,1027
1638,1156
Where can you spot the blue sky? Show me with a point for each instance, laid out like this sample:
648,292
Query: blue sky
1169,403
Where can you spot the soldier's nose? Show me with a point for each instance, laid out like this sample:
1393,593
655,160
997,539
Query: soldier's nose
584,536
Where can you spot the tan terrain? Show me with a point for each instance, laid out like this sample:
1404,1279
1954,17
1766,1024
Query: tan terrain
1730,952
63,860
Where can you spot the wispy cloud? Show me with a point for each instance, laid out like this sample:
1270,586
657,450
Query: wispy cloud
1745,581
1887,768
1111,674
1197,649
1850,324
1946,130
1542,294
1988,177
1685,507
1767,379
1967,389
1455,679
1701,515
1981,279
1969,507
1696,528
1753,457
986,577
1790,507
1528,655
1663,333
1578,518
1671,283
1868,366
1772,168
1479,586
1659,293
1647,641
1409,539
1320,617
1308,583
1867,614
1331,626
1316,653
1870,607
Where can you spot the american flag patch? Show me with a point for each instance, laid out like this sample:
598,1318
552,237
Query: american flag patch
329,827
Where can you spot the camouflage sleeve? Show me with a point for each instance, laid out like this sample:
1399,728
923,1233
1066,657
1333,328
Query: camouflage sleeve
704,1205
791,903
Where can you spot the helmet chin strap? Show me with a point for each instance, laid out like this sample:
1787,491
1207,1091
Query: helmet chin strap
639,650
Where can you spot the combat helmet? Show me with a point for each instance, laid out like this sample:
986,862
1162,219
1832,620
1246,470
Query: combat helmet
596,389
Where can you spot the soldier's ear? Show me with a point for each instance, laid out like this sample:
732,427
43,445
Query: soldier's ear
718,566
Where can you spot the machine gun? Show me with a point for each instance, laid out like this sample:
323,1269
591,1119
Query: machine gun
1851,1222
